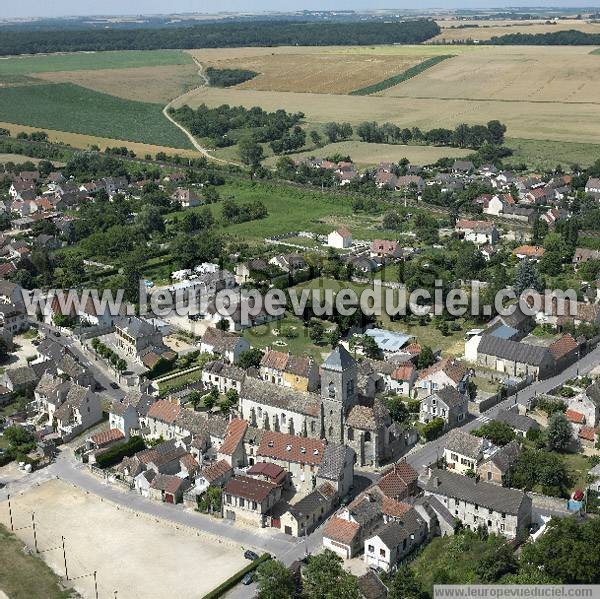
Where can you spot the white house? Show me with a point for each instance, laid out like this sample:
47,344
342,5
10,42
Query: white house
341,238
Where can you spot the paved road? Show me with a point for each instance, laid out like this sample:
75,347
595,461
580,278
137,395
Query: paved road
101,372
422,456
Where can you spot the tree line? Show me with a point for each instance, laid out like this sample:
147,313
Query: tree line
221,35
228,77
556,38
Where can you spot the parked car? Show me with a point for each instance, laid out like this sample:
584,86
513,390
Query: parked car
114,385
251,555
248,578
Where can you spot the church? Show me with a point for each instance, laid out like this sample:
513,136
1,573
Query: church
339,414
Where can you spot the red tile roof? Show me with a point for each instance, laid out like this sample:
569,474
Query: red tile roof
106,437
404,372
574,416
252,489
587,433
234,434
391,507
563,347
167,483
216,470
529,250
291,448
342,531
395,481
272,471
165,411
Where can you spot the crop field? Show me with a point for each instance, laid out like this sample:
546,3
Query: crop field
67,107
511,73
485,30
158,84
325,70
80,61
365,154
545,93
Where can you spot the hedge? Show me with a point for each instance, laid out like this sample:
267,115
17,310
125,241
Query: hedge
237,577
116,453
397,79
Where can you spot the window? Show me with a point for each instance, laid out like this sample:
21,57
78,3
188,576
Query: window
241,502
502,526
350,434
454,457
331,389
254,505
371,549
367,436
489,476
503,515
382,552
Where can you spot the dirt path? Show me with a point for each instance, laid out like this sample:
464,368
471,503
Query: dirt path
204,151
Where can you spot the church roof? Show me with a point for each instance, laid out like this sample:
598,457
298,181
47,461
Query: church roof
339,359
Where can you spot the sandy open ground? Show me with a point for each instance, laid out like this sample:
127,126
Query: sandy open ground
139,557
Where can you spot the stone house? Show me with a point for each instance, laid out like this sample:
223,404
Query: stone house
81,409
223,376
463,451
304,516
341,238
501,510
497,466
298,372
228,346
448,404
168,488
248,500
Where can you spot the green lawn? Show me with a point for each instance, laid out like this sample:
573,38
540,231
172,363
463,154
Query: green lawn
266,336
80,61
75,109
577,466
23,576
544,155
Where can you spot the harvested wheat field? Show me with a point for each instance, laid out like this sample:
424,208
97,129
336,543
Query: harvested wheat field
365,154
158,84
531,120
314,70
83,142
515,73
453,30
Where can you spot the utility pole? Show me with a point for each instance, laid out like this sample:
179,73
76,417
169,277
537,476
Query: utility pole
12,527
65,558
95,585
35,543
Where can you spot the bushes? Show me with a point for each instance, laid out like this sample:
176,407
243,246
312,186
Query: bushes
116,453
432,430
228,77
233,580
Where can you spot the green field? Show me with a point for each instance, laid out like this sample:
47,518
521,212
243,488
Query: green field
81,61
547,154
67,107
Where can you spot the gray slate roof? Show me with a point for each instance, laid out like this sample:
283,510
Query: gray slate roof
451,397
339,359
334,459
515,420
513,350
464,443
505,457
499,499
270,394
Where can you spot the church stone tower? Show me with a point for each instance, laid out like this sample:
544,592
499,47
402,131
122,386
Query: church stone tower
338,393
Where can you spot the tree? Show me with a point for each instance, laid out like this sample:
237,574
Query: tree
559,433
316,138
397,408
539,231
433,429
556,252
426,357
250,358
251,153
495,563
325,578
527,277
275,581
211,399
316,330
568,552
150,220
499,433
405,585
391,220
496,132
17,436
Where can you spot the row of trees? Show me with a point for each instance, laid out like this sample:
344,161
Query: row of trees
228,77
462,136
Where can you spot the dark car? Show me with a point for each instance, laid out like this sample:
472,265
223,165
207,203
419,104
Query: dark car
114,385
56,333
248,554
248,578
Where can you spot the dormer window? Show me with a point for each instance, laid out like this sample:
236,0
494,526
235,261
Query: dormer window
331,389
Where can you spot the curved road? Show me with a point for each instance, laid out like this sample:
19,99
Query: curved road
204,151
